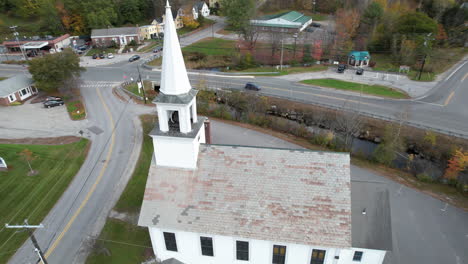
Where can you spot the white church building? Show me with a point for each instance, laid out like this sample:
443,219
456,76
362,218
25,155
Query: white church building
221,204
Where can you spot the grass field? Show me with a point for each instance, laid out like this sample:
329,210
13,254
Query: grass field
130,243
378,90
31,197
286,71
149,92
151,46
212,46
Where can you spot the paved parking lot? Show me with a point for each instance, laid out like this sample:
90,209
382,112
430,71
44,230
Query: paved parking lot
33,120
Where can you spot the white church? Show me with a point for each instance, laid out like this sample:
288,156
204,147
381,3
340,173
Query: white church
220,204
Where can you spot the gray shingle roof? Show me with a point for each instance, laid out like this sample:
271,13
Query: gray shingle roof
199,5
107,32
14,84
270,194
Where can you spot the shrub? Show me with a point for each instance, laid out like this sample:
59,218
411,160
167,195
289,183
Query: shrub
424,177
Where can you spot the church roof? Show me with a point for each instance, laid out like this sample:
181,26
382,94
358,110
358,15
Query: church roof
282,195
174,79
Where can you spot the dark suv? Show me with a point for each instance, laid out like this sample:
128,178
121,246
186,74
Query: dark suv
252,86
341,68
134,58
52,103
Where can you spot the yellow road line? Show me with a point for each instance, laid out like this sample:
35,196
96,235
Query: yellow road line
464,77
447,101
93,188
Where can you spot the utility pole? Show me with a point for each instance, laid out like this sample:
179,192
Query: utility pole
37,249
426,39
15,33
295,42
281,60
140,82
313,2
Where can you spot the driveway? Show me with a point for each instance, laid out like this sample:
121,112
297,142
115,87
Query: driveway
33,120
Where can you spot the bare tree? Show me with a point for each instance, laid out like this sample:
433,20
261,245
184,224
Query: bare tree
349,123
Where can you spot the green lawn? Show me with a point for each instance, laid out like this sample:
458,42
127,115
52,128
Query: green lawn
319,17
378,90
212,46
105,51
149,91
3,78
286,71
122,233
31,197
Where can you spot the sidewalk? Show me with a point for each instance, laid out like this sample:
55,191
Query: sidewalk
401,82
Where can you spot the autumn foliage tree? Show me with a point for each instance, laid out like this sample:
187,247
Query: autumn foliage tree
456,164
347,22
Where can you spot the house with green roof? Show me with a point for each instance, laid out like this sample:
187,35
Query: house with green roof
359,58
292,22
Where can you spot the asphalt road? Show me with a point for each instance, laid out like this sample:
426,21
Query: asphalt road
424,229
442,109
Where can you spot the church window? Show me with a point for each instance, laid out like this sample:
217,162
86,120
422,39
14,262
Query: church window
318,256
279,254
242,250
357,256
206,246
170,240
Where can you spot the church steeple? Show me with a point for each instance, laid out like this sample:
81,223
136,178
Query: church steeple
174,79
179,131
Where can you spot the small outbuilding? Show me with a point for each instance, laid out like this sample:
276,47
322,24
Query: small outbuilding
359,58
16,89
3,165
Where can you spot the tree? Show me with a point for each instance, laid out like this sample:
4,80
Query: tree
51,71
28,156
347,22
238,15
50,19
201,20
307,57
189,22
417,23
456,164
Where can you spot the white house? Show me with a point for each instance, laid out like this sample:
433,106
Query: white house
220,204
16,89
200,8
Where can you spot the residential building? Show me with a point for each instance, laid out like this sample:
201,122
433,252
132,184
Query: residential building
359,58
16,89
179,23
216,204
200,8
38,44
152,30
121,36
290,22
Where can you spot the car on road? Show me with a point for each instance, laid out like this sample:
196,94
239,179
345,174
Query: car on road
134,58
157,49
252,86
110,56
341,68
53,103
360,71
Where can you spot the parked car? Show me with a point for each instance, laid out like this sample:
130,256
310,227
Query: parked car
82,47
110,56
315,24
360,71
309,29
52,98
102,56
95,56
252,86
52,103
341,68
134,58
157,49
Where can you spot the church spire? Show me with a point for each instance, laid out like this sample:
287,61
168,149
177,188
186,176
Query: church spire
174,79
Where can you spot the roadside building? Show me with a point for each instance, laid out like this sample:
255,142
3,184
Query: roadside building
152,30
200,9
359,58
120,36
38,45
16,89
208,203
178,21
289,22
